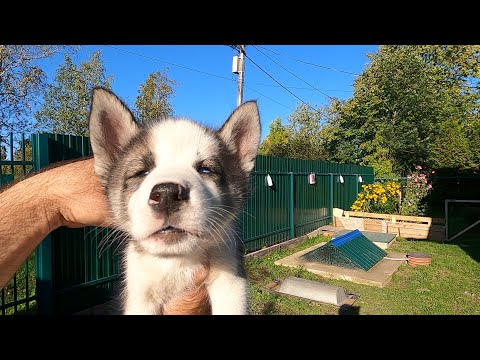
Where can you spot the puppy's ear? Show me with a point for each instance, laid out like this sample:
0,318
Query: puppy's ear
111,126
241,133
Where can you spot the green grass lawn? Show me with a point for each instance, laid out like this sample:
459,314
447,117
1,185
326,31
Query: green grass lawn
450,285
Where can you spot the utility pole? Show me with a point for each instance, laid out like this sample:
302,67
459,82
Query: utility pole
238,67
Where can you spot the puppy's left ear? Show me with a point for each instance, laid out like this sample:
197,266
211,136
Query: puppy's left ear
111,126
241,133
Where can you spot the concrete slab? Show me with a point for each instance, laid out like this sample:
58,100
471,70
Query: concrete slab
379,275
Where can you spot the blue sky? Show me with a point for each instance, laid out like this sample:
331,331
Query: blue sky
210,99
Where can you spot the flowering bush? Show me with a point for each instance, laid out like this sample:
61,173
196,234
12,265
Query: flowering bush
389,199
379,198
417,188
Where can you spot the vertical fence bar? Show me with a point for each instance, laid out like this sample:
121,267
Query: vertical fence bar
27,290
15,294
12,168
446,220
24,158
3,301
331,196
44,252
292,206
24,172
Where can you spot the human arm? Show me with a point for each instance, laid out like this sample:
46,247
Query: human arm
66,195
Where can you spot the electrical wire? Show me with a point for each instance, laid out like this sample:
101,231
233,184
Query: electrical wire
290,72
170,63
270,76
477,87
199,71
309,63
248,87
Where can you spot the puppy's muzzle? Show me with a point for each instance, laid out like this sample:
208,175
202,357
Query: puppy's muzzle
168,197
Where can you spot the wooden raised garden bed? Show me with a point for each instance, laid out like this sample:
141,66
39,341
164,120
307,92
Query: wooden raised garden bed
415,227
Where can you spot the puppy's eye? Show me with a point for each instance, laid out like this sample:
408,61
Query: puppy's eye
205,170
141,173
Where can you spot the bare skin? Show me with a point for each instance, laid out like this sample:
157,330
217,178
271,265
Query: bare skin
67,195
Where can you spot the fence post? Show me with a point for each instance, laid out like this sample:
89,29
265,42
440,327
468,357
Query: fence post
356,185
446,220
331,196
291,208
44,252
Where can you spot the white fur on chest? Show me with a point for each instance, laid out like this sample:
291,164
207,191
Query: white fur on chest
152,281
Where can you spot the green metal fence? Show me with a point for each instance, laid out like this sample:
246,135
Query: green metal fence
19,295
292,206
69,274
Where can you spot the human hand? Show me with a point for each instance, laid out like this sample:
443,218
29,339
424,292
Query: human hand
77,196
194,301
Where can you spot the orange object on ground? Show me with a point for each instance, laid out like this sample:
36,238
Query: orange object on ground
418,258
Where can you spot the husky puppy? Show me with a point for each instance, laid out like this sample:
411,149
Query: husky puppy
175,188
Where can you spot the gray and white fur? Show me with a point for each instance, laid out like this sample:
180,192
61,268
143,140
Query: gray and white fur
175,189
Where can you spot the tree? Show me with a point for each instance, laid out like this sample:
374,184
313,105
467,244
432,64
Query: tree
67,100
472,132
300,138
340,142
306,124
399,102
153,100
21,82
451,148
276,143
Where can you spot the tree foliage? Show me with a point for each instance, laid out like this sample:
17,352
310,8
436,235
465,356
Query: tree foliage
21,82
305,127
300,138
276,143
153,100
451,148
67,100
399,103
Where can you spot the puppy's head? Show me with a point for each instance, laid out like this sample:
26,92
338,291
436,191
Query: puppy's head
173,185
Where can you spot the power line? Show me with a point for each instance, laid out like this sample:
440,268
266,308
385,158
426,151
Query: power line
343,71
199,71
170,63
309,63
297,87
271,77
248,87
235,50
290,72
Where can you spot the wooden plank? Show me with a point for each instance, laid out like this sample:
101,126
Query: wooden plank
373,225
417,226
417,234
373,228
422,219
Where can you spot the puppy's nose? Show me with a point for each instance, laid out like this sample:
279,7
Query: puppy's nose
168,197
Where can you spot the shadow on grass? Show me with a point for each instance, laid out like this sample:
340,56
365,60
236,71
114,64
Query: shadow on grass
349,310
269,308
472,250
